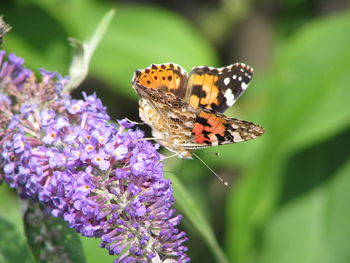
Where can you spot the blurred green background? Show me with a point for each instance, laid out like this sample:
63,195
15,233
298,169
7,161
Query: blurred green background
288,197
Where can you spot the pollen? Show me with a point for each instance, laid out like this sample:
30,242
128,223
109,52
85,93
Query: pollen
89,147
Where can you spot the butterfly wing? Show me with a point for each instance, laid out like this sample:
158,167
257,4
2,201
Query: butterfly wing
212,128
217,88
166,113
168,78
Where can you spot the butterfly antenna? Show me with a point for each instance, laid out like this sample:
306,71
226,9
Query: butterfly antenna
218,176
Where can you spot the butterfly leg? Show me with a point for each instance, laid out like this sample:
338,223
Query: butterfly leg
167,157
147,139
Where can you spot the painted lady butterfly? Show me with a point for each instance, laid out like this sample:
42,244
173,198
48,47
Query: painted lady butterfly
185,112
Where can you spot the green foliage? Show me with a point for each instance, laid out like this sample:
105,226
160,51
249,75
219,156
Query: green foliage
308,104
141,36
315,226
79,66
137,37
50,239
194,214
12,246
93,251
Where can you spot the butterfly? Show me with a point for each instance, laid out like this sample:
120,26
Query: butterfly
185,111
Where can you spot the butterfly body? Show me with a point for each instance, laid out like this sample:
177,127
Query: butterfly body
185,112
171,125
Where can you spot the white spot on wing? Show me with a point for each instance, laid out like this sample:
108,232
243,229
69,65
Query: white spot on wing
244,85
172,115
227,81
188,124
230,98
234,76
236,137
239,78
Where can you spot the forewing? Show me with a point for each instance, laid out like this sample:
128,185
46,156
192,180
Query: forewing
169,78
217,88
212,128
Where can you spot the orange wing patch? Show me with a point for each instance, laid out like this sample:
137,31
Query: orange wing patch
204,92
217,88
213,128
165,77
207,125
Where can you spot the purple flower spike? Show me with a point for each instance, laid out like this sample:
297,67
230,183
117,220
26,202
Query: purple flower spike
96,175
12,70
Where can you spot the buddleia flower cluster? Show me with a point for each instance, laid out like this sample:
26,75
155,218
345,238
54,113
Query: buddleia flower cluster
100,177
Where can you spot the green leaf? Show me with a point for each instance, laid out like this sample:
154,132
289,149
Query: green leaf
37,37
50,239
79,66
140,36
12,246
307,102
196,217
309,85
94,252
314,227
